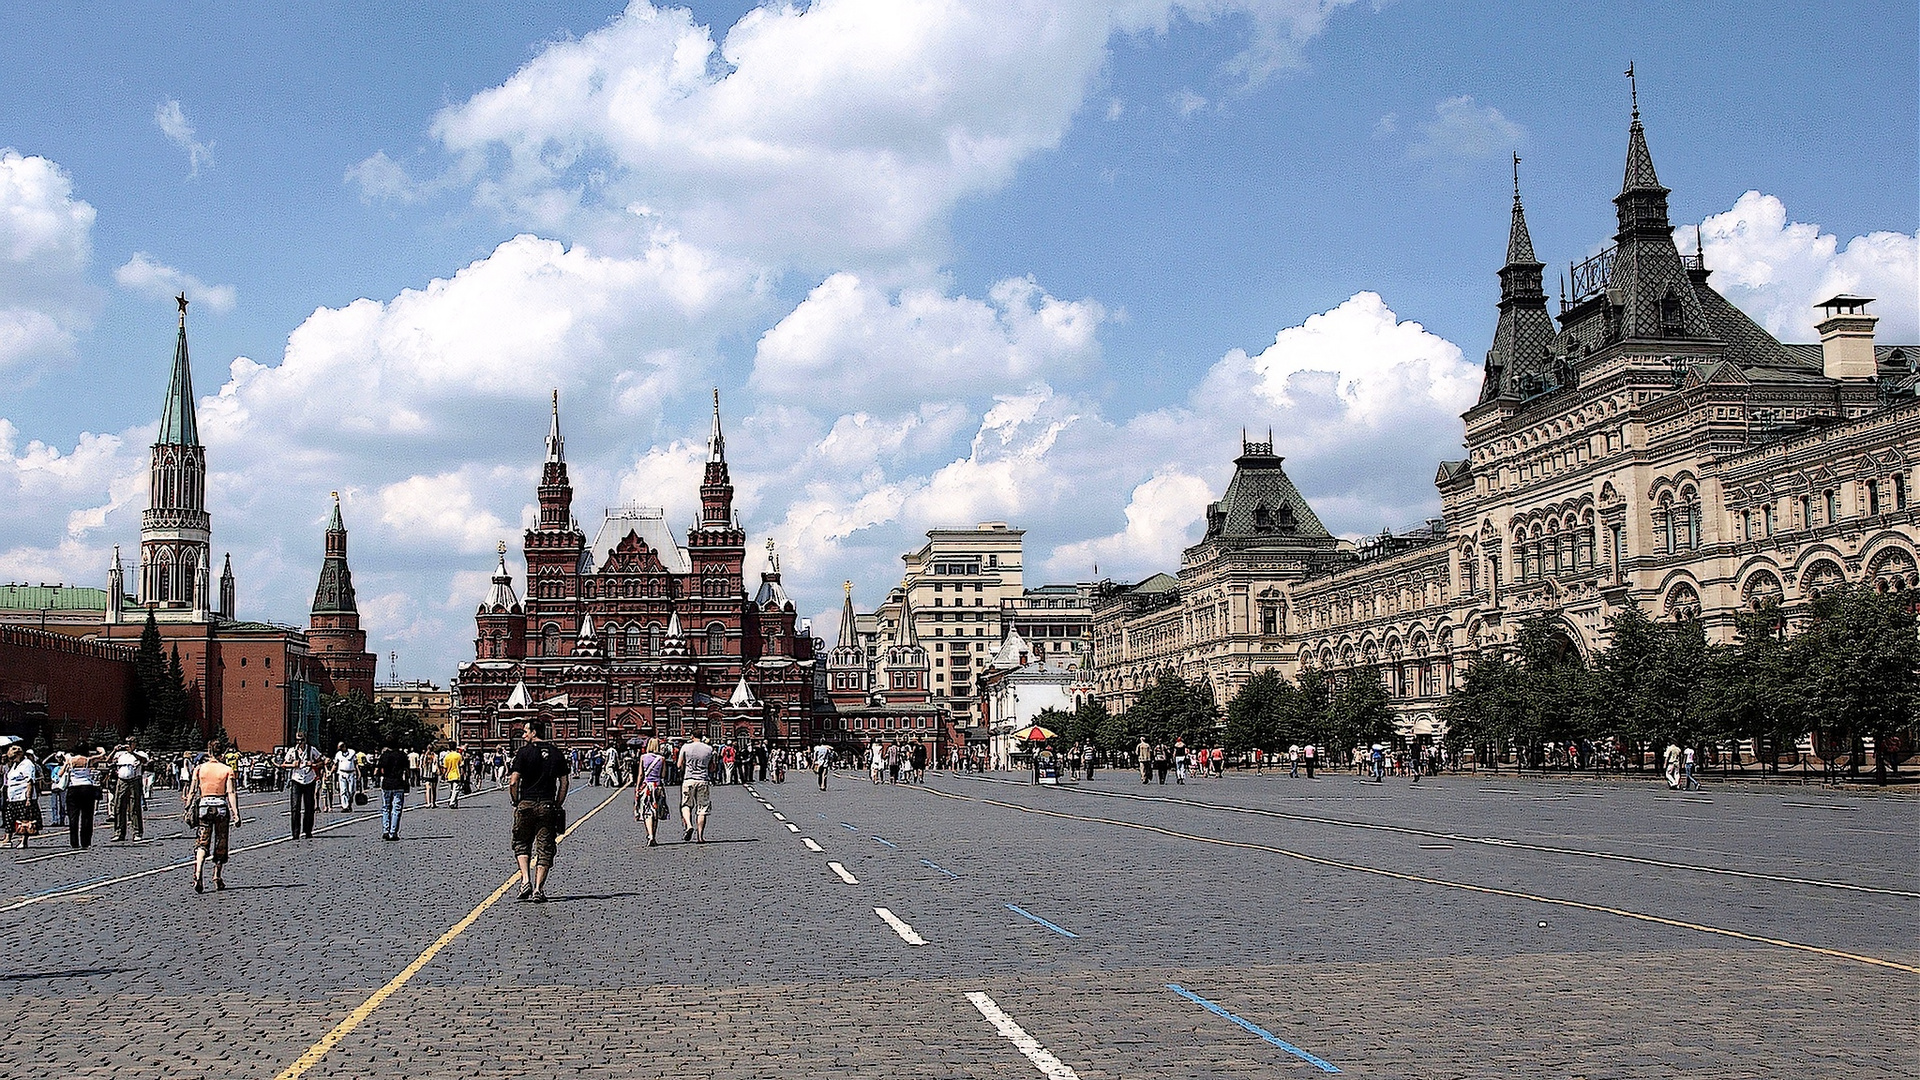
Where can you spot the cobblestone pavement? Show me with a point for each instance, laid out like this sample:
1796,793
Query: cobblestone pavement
1390,930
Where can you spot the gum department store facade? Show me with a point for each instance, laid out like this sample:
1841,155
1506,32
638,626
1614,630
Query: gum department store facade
1655,447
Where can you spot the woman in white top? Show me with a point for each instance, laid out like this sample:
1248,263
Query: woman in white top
83,794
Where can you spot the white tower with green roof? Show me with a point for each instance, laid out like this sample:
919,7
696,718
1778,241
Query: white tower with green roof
175,530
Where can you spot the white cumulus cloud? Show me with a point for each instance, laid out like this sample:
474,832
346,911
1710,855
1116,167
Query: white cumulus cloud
1776,269
850,343
824,135
46,245
149,277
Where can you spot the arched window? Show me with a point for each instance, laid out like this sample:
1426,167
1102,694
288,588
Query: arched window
716,639
550,640
633,641
1832,499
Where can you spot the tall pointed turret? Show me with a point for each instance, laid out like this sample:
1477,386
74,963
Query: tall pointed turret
848,636
226,587
1649,284
116,589
337,644
556,490
1519,364
556,445
716,487
177,424
175,530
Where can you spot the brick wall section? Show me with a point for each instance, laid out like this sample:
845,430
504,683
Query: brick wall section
78,686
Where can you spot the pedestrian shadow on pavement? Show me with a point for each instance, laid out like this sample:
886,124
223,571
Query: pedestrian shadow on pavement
596,896
269,885
75,973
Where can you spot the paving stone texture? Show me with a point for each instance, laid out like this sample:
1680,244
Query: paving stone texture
747,957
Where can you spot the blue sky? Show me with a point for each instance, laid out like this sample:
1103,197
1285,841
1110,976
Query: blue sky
1039,262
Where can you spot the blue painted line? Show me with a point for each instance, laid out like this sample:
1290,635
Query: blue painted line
887,842
1018,910
848,827
1323,1066
930,864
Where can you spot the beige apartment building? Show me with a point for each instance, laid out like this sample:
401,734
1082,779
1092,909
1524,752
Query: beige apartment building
1651,446
953,589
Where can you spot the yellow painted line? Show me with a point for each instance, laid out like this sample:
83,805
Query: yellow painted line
359,1015
1463,886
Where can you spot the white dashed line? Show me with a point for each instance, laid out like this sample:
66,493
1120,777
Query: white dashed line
778,816
842,871
908,935
1051,1066
811,846
791,827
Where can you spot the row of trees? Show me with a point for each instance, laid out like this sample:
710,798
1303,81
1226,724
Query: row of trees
1269,713
1849,672
163,717
369,725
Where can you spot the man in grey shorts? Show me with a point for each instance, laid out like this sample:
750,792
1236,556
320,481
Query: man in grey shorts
696,758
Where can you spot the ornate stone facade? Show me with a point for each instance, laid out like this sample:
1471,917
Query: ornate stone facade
334,638
635,634
1654,447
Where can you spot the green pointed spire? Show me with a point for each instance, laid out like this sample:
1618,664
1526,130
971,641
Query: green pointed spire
177,425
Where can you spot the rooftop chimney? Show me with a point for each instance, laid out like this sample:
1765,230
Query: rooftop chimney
1846,338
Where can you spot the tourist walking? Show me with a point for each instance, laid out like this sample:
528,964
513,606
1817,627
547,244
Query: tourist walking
430,772
213,803
83,794
822,762
1672,757
346,776
537,787
696,799
1143,754
1693,783
455,768
303,763
129,792
1308,756
22,818
650,794
395,772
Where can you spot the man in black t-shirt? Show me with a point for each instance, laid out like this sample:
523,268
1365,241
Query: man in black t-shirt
395,780
538,788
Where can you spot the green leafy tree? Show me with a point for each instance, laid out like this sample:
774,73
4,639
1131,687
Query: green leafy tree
1361,712
1309,709
1174,708
1854,667
1084,723
1750,687
1482,710
1257,715
1058,721
1116,733
150,670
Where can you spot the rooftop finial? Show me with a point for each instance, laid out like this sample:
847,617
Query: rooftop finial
556,445
716,443
182,301
1516,179
847,585
502,549
773,557
1633,88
